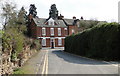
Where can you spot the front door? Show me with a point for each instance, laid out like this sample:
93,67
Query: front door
52,43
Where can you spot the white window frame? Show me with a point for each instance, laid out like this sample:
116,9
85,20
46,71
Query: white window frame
44,42
52,31
59,41
65,29
51,22
73,31
43,31
59,31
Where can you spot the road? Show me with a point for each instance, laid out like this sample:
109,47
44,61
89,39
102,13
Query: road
60,62
55,61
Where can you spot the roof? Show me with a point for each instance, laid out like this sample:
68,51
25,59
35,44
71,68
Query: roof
41,22
70,21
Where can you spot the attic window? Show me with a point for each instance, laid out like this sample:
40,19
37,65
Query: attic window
51,22
58,22
38,21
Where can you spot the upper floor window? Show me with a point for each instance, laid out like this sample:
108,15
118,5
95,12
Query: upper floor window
52,31
43,31
65,31
59,31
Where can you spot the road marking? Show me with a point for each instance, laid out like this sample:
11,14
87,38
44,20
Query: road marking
45,65
39,64
43,69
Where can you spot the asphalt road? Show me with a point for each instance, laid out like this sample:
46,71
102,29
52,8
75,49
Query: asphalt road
55,61
60,62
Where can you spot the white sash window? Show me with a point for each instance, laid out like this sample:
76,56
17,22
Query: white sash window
43,31
52,31
59,41
43,42
59,31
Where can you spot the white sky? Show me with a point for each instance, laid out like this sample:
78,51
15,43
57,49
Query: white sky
103,10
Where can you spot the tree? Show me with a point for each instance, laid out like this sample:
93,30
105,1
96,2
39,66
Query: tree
22,17
53,12
32,10
22,20
13,37
85,24
8,14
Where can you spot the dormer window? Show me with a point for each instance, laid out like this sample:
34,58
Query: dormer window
51,21
38,21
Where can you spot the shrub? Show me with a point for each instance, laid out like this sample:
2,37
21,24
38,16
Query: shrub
99,42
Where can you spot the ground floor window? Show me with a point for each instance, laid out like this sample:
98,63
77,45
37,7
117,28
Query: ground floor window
43,42
59,41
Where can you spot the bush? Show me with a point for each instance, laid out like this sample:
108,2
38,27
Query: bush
36,45
101,42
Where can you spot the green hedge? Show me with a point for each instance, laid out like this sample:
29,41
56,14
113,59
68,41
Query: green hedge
100,42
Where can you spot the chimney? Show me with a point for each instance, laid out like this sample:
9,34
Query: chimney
30,17
74,17
81,18
60,17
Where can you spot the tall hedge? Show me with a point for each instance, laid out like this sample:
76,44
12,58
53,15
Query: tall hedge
100,42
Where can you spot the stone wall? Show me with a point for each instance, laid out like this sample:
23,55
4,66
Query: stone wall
7,65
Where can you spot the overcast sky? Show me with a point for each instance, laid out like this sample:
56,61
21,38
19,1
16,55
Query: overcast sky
103,10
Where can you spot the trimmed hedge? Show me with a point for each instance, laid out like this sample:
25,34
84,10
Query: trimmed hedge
99,42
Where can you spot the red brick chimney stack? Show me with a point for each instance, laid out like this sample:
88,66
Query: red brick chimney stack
74,17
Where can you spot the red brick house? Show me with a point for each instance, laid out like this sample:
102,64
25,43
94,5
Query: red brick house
53,30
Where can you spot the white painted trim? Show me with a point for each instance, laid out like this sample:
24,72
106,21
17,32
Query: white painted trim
59,37
43,37
54,48
51,37
59,48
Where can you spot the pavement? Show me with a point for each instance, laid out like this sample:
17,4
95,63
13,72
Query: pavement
35,64
56,61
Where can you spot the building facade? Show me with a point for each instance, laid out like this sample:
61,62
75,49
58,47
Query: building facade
53,30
